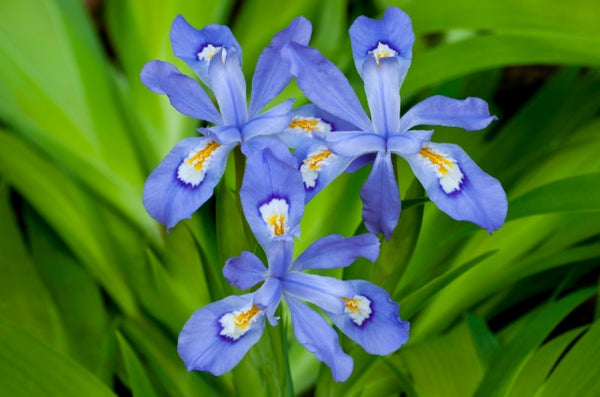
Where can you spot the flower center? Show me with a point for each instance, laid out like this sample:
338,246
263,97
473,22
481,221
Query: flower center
237,323
358,308
208,51
449,174
308,125
313,163
192,169
275,215
382,51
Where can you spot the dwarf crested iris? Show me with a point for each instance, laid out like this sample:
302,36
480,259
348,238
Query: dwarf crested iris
187,176
217,336
382,52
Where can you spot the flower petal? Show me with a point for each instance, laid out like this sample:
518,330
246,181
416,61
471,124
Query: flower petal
355,143
313,332
471,113
382,87
244,271
204,344
273,121
336,251
185,94
229,87
458,186
268,297
272,74
324,84
394,30
377,327
381,198
272,197
223,134
279,254
197,47
184,180
407,143
325,292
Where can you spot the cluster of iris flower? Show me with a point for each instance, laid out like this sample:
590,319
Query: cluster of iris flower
331,135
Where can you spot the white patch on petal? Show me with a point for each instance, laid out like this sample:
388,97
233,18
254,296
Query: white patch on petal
275,213
308,125
208,51
448,172
313,163
192,169
236,324
358,308
382,51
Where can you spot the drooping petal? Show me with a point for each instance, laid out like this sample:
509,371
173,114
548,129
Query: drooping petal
273,121
361,161
229,87
268,297
184,180
218,336
313,332
272,197
185,94
458,186
197,47
407,143
471,113
244,271
371,319
355,143
325,292
381,198
392,36
272,74
324,84
382,87
336,251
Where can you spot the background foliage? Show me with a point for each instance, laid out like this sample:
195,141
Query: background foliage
93,292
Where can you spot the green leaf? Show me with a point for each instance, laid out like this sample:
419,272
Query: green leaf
30,368
137,378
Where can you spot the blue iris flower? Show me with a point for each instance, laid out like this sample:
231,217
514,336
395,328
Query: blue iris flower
187,176
217,336
382,52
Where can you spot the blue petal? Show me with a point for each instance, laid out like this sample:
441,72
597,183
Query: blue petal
335,251
355,143
313,332
201,345
279,253
382,87
361,161
260,143
188,42
393,30
324,84
244,271
170,195
268,297
271,183
272,74
223,134
325,292
381,198
407,143
229,86
382,331
471,114
479,198
185,94
273,121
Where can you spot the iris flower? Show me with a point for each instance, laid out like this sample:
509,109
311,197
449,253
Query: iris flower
187,176
382,52
217,336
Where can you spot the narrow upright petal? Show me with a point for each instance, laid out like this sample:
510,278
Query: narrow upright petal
382,87
197,47
324,84
371,319
272,75
391,36
218,336
313,332
471,113
272,197
229,87
185,94
336,251
458,186
244,271
381,198
184,180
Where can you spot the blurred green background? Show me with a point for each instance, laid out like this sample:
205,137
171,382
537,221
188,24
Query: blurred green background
93,292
